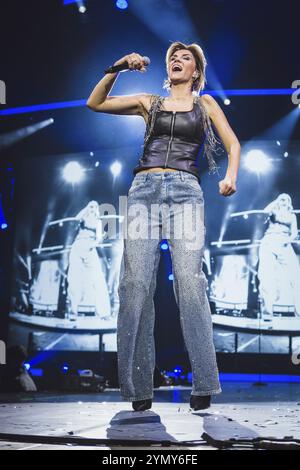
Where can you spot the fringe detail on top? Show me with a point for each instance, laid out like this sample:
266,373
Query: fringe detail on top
156,102
211,143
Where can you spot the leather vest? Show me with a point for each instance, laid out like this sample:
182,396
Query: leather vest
173,139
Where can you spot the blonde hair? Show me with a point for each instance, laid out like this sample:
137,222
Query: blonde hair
87,211
287,197
198,54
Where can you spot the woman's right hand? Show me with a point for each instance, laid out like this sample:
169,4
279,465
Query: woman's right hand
135,62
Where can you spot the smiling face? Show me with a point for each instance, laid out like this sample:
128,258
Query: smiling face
181,66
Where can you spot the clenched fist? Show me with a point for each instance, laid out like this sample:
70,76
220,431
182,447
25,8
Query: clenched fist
227,186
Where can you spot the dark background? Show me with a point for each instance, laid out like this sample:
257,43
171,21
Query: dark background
51,53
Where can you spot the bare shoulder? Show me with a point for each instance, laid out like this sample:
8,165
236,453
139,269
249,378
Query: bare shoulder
208,101
208,98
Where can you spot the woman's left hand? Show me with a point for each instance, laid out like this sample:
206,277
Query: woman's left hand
227,186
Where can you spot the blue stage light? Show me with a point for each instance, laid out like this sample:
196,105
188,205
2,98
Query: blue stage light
122,4
65,368
37,372
73,172
82,103
171,277
266,378
116,168
257,161
251,92
4,226
27,365
164,246
42,107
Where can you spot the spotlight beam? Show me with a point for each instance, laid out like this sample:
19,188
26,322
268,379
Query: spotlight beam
11,138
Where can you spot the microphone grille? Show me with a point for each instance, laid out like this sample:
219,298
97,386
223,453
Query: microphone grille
146,60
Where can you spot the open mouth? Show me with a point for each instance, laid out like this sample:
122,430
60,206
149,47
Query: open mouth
176,68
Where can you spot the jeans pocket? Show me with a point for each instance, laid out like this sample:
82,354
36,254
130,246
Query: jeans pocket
136,183
193,184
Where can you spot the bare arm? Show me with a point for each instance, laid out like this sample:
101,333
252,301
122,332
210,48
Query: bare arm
81,214
294,228
99,232
229,140
271,207
99,101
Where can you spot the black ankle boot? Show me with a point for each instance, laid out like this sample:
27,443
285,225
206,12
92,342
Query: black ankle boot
200,402
142,405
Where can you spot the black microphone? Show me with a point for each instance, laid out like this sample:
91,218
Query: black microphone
124,66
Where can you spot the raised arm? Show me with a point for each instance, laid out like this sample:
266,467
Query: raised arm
81,214
271,207
100,102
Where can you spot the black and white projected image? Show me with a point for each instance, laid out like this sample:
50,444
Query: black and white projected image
254,264
67,264
65,287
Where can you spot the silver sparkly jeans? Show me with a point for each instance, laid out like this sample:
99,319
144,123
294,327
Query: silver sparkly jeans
163,205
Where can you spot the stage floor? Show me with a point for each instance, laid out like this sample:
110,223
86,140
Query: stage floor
243,413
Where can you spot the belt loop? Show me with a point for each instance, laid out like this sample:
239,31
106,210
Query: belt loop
182,175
